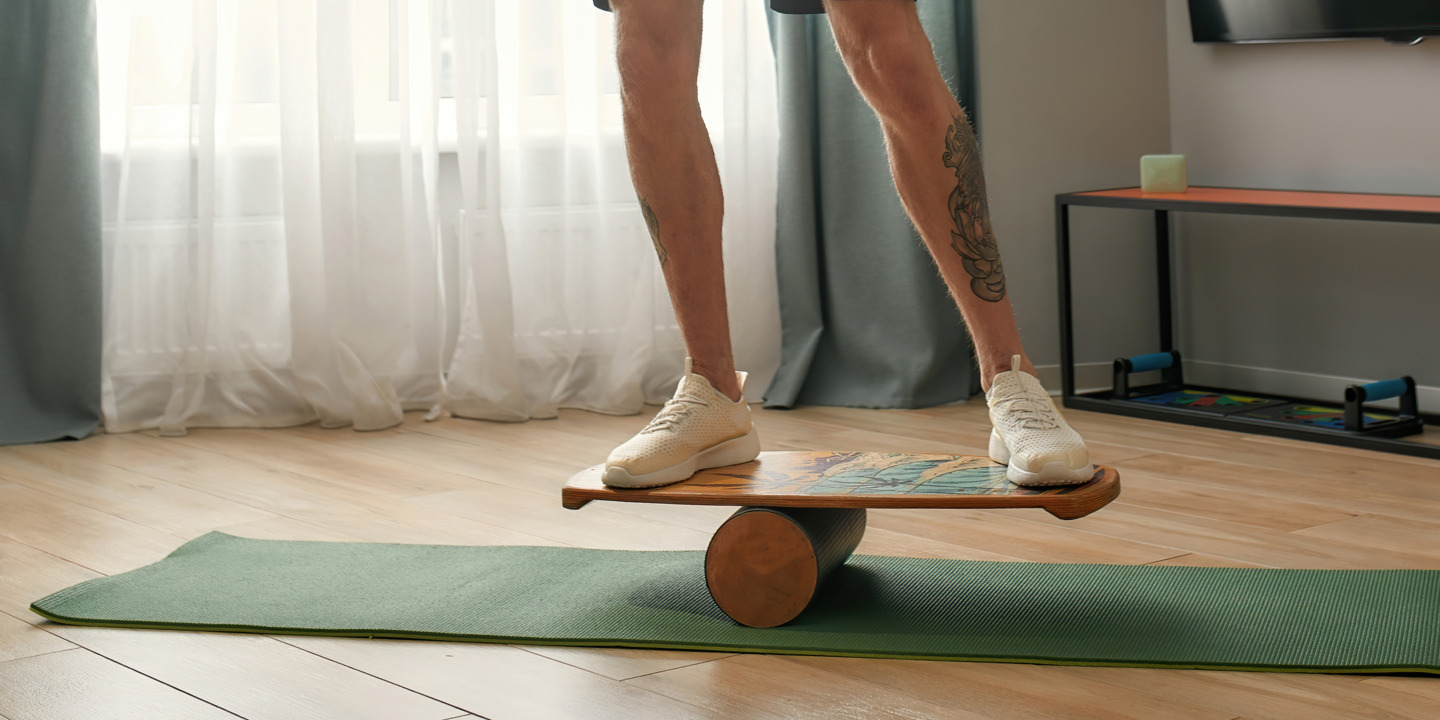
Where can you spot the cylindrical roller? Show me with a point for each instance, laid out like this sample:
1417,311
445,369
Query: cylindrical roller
1153,361
764,565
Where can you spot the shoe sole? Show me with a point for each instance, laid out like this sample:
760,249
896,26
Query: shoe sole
734,451
1053,473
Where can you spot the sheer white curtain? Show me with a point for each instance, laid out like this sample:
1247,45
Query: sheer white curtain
344,209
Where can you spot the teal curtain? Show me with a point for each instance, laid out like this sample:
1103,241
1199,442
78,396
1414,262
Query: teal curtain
865,318
50,282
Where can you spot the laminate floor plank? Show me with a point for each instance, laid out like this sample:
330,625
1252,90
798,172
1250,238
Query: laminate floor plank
763,686
596,526
128,495
20,639
328,504
348,466
498,682
255,676
1266,696
992,689
84,536
1243,542
27,574
1016,533
1285,513
624,663
1413,494
78,684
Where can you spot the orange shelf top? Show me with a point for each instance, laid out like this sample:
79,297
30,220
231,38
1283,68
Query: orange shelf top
1283,198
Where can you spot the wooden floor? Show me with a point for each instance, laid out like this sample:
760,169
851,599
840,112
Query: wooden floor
1192,496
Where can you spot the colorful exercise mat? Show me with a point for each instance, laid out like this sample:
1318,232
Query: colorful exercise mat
1350,621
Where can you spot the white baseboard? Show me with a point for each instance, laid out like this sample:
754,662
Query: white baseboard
1099,376
1089,377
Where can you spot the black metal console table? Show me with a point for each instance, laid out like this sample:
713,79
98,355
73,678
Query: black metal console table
1343,206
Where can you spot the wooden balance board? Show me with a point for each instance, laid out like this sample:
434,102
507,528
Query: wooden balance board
803,513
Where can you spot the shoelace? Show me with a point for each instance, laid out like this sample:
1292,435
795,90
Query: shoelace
1031,413
675,410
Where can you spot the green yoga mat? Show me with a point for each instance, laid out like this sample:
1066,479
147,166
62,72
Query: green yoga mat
1364,621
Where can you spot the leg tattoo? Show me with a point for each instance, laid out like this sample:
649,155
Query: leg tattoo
653,223
972,238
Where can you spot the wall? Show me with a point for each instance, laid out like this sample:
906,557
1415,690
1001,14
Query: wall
1305,306
1071,94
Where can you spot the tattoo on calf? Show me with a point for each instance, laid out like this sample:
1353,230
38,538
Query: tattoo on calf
972,238
653,224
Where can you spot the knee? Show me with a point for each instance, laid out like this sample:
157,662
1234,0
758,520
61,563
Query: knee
894,68
657,55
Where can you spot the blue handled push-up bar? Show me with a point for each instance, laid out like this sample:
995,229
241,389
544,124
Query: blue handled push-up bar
1357,395
1167,362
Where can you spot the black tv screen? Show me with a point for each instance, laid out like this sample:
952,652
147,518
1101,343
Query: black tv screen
1238,21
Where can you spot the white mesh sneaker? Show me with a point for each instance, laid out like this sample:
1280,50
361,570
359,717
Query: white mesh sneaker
1030,435
698,428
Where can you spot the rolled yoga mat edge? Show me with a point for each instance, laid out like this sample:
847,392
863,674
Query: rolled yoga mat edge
877,607
498,640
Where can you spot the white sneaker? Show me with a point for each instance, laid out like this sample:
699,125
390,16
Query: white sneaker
698,428
1030,435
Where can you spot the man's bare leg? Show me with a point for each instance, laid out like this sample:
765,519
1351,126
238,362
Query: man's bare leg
707,423
936,164
673,167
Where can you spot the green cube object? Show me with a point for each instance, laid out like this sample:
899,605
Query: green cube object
1162,173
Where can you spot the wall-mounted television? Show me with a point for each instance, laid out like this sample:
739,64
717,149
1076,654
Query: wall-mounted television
1249,21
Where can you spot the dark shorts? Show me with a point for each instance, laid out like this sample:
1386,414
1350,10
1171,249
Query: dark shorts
793,7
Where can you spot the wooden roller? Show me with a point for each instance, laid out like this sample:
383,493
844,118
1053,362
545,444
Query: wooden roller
765,564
